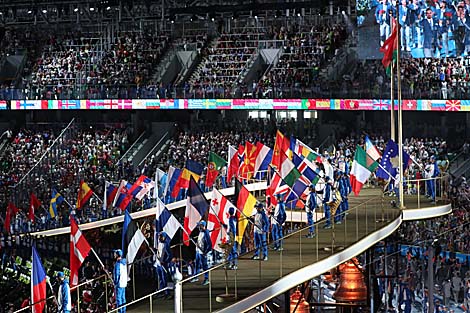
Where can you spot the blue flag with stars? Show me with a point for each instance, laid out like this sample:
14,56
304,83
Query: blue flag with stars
389,162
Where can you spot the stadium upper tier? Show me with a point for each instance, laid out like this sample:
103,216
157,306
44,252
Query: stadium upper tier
246,57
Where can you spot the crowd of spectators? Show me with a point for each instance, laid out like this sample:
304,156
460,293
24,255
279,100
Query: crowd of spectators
33,164
304,54
448,236
421,79
224,63
91,154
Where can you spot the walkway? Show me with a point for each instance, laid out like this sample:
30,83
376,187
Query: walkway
370,219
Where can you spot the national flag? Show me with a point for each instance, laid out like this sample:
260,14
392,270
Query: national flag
380,105
172,187
306,169
389,49
281,146
360,171
196,207
110,194
298,193
218,216
84,193
141,187
247,168
132,238
145,186
234,157
79,250
38,284
245,202
122,199
56,198
165,221
192,169
306,152
371,150
289,173
161,179
263,158
7,222
214,165
275,186
389,161
34,204
453,105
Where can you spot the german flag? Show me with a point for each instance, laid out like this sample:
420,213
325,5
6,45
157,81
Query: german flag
84,194
245,203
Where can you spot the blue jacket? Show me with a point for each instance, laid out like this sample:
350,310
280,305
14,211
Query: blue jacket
120,273
64,300
232,225
206,244
311,202
327,193
429,33
166,254
264,222
382,13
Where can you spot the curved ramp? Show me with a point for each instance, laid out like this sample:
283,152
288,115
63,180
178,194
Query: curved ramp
370,219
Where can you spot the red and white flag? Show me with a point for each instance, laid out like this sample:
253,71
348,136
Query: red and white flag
218,215
79,250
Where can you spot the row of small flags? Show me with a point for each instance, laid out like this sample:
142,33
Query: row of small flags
118,197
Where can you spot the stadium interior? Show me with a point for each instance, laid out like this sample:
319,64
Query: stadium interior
240,156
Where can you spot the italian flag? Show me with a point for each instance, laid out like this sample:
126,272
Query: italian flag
390,49
362,167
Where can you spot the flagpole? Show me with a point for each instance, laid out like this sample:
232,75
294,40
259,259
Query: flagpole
392,105
71,206
400,119
96,196
102,265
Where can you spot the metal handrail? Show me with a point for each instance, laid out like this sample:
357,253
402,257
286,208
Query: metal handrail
140,299
132,146
153,149
44,154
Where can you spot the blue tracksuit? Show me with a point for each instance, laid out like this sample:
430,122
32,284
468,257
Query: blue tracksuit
260,230
204,246
232,231
310,206
165,259
63,298
120,283
277,222
327,197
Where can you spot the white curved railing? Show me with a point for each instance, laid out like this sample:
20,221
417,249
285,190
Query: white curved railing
144,213
311,271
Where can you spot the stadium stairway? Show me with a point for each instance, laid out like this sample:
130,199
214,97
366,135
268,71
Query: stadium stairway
147,142
370,219
460,165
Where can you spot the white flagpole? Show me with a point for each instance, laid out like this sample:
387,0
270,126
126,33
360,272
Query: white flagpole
105,198
157,184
